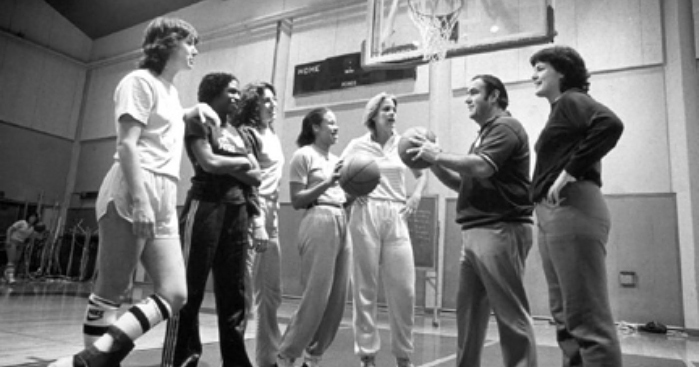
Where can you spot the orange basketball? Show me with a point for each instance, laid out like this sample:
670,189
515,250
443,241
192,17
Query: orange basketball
404,144
359,175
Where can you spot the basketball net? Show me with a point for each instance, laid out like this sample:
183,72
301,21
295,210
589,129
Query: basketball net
435,19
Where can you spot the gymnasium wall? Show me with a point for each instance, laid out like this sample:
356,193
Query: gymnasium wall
622,42
627,72
33,163
42,72
629,80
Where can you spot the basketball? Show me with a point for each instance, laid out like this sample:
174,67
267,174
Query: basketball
359,175
404,144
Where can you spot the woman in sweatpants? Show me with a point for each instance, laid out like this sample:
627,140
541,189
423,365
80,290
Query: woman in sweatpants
380,240
256,115
325,253
573,217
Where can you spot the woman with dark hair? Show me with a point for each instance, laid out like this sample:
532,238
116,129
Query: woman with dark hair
136,205
214,227
325,253
257,111
380,240
572,215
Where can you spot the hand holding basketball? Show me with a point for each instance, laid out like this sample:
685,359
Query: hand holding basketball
410,144
359,175
337,171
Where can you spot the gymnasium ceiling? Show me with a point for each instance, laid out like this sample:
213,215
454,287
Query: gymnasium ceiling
99,18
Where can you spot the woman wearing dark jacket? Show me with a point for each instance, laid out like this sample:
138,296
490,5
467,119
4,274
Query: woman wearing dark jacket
572,215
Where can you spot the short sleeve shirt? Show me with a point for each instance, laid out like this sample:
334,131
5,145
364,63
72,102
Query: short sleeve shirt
310,166
271,159
393,170
21,230
226,141
504,196
154,103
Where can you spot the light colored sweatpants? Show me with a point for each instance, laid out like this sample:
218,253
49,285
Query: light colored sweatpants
325,272
381,244
573,246
492,268
264,290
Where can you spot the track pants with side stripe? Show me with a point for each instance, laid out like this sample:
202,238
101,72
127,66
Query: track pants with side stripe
214,237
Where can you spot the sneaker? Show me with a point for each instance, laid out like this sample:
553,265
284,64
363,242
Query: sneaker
284,362
404,362
367,361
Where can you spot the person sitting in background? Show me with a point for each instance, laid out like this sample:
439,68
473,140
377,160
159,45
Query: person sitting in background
17,236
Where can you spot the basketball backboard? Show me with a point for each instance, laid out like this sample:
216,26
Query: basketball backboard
394,38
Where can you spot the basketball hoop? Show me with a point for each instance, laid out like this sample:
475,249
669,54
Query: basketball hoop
435,19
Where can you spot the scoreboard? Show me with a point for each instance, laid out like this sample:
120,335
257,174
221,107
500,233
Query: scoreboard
343,71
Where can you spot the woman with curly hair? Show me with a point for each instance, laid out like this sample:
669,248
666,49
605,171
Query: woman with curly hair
573,217
136,205
256,114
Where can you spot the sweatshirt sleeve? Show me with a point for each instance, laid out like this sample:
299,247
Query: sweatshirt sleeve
601,129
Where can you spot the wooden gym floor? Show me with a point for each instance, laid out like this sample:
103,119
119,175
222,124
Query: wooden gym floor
40,321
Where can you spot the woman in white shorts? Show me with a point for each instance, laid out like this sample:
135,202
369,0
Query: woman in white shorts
380,240
136,206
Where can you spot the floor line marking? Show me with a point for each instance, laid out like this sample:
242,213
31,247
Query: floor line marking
448,358
437,362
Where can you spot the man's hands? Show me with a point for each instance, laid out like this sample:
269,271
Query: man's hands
425,149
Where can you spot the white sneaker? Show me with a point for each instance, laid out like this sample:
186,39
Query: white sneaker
284,362
404,362
10,276
367,361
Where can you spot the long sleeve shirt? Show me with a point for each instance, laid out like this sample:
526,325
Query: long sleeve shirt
579,132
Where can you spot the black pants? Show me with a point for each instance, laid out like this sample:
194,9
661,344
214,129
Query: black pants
214,237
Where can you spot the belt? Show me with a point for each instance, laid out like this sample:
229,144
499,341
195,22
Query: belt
316,203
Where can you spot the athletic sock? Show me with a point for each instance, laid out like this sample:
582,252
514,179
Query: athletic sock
99,314
138,320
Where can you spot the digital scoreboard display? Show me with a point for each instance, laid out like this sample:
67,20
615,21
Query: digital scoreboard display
343,71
